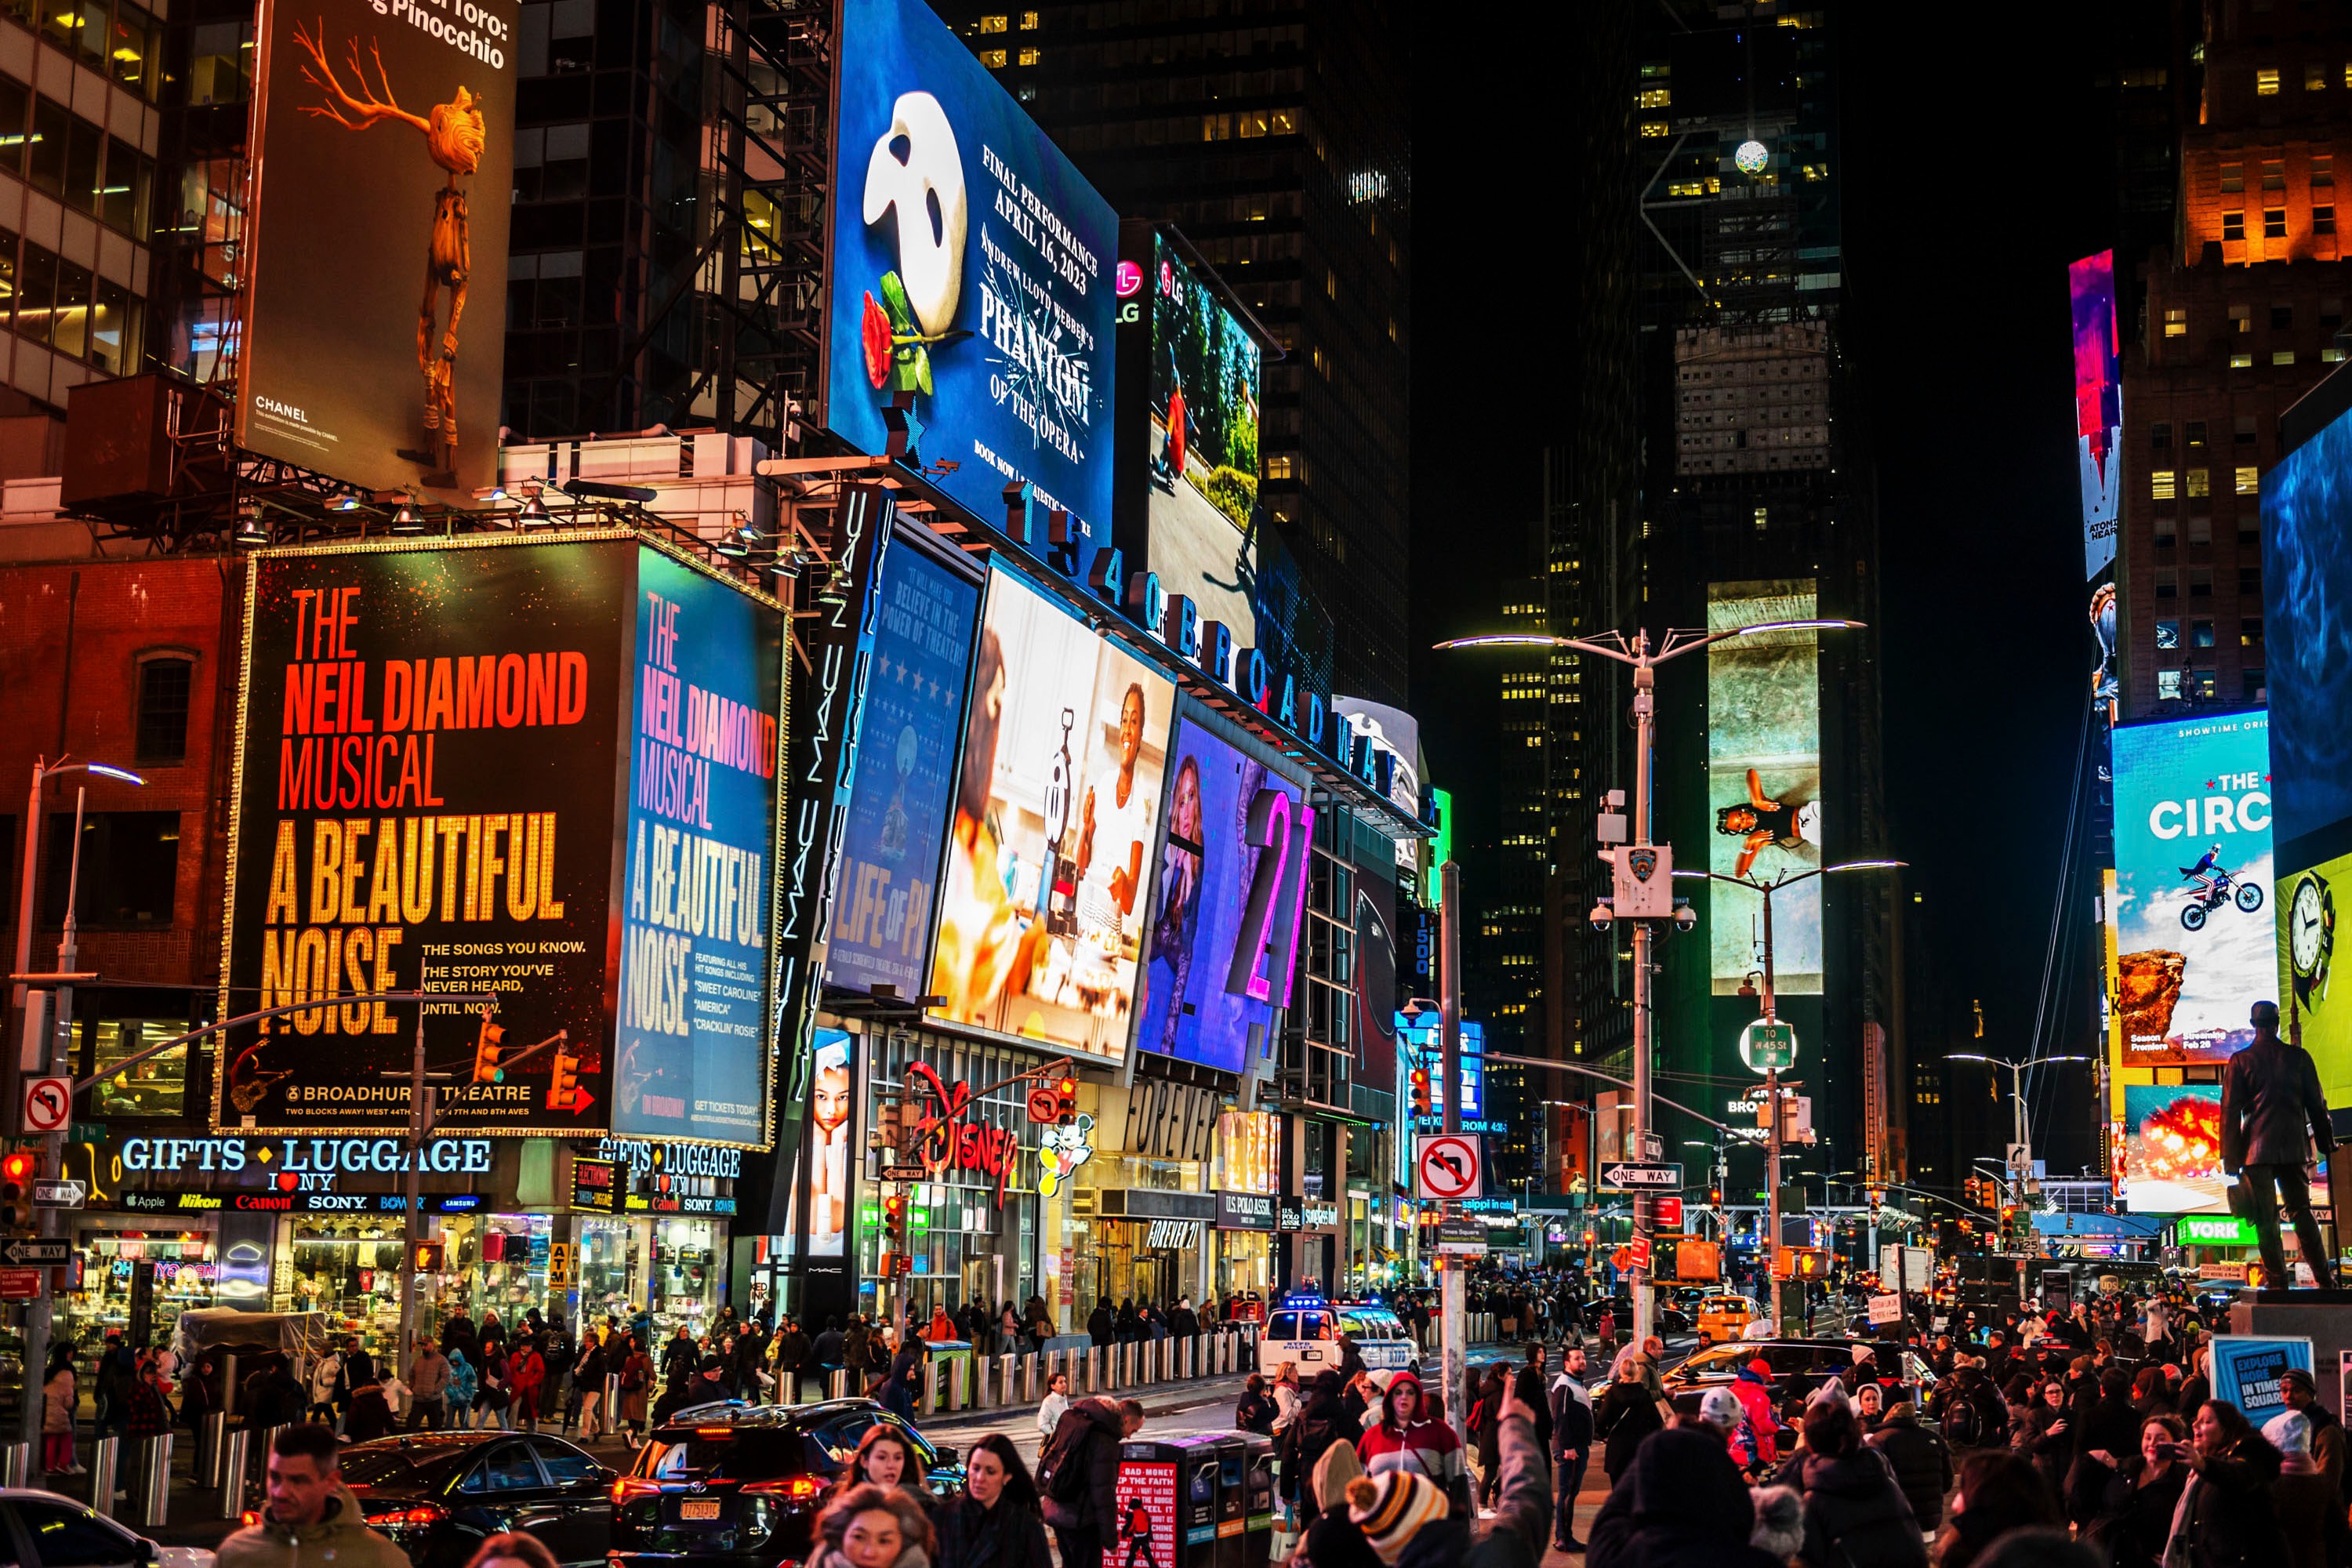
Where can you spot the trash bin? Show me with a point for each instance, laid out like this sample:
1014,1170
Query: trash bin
1233,1497
1257,1496
1168,1492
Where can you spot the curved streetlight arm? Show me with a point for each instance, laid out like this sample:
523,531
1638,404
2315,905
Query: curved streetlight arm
136,1057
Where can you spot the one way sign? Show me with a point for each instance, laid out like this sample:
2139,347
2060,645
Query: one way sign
1642,1178
27,1250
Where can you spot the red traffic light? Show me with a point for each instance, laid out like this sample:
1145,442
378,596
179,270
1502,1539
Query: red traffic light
20,1168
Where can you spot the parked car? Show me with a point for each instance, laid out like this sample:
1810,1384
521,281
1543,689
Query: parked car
740,1485
46,1530
1798,1367
437,1495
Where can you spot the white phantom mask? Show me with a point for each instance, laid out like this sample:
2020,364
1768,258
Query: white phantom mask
927,190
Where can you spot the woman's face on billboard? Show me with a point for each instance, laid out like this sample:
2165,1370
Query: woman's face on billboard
1186,814
831,1107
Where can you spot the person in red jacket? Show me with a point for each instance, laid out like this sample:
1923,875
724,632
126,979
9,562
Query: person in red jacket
526,1375
1753,1389
1409,1439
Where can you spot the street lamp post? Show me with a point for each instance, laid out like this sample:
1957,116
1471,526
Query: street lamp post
1772,1072
1635,651
2020,1130
43,1037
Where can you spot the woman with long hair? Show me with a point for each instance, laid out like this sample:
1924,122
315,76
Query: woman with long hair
2143,1487
998,1522
873,1527
885,1459
1627,1413
636,1384
1408,1437
512,1549
2230,1519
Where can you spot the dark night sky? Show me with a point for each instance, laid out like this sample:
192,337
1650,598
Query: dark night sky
1963,203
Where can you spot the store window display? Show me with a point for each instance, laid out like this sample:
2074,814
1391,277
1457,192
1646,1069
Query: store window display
349,1269
685,1275
612,1263
490,1264
154,1274
157,1087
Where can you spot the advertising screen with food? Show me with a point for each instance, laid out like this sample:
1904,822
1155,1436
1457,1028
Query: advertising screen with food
1764,773
2172,1148
383,156
1045,893
1228,891
972,274
2195,944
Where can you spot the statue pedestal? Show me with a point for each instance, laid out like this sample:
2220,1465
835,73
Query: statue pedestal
2322,1317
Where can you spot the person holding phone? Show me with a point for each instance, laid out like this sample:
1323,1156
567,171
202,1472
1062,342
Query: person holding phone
2227,1517
2142,1489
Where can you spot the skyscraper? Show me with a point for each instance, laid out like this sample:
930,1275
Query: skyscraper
1274,134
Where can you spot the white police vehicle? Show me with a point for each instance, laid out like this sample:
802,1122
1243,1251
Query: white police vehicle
1304,1330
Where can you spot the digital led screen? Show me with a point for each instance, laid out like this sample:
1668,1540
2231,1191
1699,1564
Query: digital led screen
906,771
2172,1148
446,755
972,268
1227,896
698,921
1424,1037
1199,453
2194,944
831,1170
1042,903
2098,405
381,159
1764,782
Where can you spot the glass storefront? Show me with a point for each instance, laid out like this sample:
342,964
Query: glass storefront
612,1264
1244,1264
157,1087
689,1261
141,1272
1137,1260
490,1264
348,1267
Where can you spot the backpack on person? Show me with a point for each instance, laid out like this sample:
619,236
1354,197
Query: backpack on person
1963,1425
1061,1466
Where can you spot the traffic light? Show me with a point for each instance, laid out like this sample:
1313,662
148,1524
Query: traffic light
894,1218
563,1090
485,1053
17,1171
1421,1091
1065,1095
1715,1197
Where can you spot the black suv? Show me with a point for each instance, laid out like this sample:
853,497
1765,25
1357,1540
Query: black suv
438,1495
741,1484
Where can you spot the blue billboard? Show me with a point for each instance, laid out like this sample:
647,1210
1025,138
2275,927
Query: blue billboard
692,1049
2195,946
1422,1036
972,275
906,771
1230,885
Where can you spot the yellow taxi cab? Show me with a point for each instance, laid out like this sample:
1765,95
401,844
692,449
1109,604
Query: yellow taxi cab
1722,1318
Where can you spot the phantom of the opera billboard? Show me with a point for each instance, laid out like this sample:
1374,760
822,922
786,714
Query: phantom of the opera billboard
542,772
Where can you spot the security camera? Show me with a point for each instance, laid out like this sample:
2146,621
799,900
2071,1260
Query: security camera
1601,916
1686,917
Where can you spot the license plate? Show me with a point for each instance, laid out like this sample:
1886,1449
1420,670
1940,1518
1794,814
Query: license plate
698,1508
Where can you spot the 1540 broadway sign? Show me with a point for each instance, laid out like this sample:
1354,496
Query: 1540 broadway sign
543,771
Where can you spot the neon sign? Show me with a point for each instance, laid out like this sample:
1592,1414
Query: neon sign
955,1143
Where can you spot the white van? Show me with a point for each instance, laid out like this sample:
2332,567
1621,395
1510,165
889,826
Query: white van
1306,1330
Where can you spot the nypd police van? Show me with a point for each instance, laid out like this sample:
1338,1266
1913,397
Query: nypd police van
1305,1330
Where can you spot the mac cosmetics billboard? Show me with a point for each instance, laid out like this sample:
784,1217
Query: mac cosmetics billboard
1228,892
972,275
1044,900
2194,943
1764,782
382,155
542,771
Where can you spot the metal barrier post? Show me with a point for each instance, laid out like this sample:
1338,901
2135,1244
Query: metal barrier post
930,1388
16,1465
1125,1376
608,1412
208,1447
837,1383
1005,1367
155,1482
236,1458
1093,1368
105,1458
1029,1376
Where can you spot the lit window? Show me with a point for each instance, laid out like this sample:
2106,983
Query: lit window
2200,634
1762,519
2168,635
2161,486
1322,364
1655,97
2203,681
1653,128
2331,356
2282,356
1028,21
2266,82
992,24
2315,78
2176,321
993,58
2233,178
2200,482
2194,433
2241,362
2233,222
2167,685
2249,481
2274,223
1031,56
1277,466
1330,284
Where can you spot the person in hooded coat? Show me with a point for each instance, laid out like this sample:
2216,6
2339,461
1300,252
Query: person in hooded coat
1404,1517
1855,1515
1681,1503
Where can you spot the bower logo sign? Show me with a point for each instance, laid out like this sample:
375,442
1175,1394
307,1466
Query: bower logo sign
389,126
453,776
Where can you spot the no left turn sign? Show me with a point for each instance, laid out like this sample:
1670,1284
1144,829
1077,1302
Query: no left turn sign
48,1104
1447,1165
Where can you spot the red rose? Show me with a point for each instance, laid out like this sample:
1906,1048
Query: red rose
876,332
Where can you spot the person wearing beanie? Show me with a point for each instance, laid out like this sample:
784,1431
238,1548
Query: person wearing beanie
2328,1442
1392,1507
2309,1510
1721,1411
1680,1504
1780,1528
1752,1386
1406,1529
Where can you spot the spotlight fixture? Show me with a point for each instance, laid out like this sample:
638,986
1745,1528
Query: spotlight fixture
344,503
250,531
405,522
533,513
732,544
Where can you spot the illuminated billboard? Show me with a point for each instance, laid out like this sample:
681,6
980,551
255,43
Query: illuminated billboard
972,274
2098,406
2194,943
906,769
1042,906
541,770
2172,1148
1194,445
1424,1036
1227,893
1764,782
831,1173
2306,580
382,158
